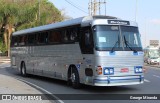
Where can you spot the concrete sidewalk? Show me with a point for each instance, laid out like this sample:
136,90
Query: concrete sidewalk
4,60
10,85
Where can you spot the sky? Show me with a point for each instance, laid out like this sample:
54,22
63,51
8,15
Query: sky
147,15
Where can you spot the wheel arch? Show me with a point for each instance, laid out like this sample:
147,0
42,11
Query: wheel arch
73,77
70,69
21,63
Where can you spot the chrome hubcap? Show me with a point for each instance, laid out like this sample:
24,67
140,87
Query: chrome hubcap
23,70
73,77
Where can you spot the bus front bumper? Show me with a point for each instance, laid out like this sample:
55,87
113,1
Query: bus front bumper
118,81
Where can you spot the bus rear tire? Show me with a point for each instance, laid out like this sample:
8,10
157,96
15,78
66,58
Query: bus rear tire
73,79
23,69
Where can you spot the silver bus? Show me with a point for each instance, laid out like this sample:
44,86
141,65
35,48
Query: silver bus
92,50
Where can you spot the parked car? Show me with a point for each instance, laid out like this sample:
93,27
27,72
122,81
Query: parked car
151,55
153,60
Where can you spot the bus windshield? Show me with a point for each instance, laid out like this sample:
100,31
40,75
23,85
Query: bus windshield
130,37
108,37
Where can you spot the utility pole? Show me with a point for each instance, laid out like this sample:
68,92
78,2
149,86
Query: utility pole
94,7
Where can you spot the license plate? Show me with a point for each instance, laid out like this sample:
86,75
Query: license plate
124,70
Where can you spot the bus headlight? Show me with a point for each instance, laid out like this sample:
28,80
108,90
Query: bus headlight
138,69
108,70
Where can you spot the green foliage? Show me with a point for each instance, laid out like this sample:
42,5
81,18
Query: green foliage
8,12
3,49
37,13
23,14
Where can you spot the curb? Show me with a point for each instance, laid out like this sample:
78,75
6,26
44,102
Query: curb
12,86
5,60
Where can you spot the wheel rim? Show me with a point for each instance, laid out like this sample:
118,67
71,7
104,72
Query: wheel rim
23,70
73,77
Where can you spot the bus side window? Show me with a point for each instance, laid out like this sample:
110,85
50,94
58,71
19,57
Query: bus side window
42,38
86,41
22,40
64,36
55,37
87,38
31,39
14,41
74,35
69,35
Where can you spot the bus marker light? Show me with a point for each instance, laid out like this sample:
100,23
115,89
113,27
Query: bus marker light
99,70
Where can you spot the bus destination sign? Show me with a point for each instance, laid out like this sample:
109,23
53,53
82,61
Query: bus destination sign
118,22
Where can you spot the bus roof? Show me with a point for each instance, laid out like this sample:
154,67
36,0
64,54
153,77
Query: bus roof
50,26
78,21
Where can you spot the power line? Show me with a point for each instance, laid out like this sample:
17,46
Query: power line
80,6
76,6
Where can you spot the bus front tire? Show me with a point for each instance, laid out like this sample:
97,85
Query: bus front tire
23,69
74,78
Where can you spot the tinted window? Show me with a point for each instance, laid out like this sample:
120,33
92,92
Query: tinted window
86,41
22,40
70,35
14,41
31,39
42,38
55,37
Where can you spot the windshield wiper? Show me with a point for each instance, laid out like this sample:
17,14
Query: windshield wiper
129,45
112,50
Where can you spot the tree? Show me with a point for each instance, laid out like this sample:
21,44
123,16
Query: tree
2,46
40,12
8,18
64,15
22,14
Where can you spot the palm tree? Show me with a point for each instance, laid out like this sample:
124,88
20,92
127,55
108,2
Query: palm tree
22,14
8,15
